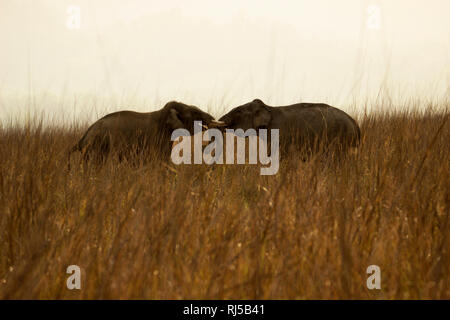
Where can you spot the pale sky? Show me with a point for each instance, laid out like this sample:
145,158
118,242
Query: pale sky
139,54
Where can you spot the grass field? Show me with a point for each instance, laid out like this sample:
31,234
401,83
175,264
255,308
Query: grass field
225,232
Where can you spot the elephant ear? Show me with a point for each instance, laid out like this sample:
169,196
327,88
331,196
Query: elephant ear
173,120
262,118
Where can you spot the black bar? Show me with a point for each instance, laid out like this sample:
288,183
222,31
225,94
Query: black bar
228,309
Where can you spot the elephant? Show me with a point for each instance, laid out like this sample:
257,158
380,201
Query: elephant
134,135
304,127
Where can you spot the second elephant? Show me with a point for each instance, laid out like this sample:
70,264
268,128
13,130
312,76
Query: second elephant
305,127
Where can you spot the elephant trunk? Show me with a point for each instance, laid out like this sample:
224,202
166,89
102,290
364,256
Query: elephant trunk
216,124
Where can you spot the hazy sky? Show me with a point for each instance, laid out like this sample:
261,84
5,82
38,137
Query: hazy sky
89,56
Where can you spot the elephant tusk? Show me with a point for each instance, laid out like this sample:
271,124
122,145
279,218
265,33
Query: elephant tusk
205,127
216,123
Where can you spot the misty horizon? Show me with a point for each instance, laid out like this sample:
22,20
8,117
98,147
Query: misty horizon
139,55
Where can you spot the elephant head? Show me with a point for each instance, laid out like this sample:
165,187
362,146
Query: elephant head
179,115
255,115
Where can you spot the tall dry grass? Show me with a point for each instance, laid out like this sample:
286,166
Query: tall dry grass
225,232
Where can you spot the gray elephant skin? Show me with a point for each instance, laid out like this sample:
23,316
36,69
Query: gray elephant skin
129,134
304,127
